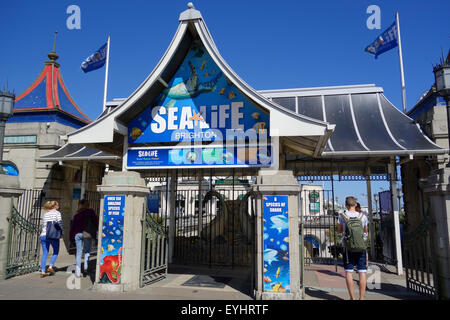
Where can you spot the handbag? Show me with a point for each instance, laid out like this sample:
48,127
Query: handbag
54,231
90,230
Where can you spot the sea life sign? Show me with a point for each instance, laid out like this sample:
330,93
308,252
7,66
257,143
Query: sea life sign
276,244
201,157
199,104
112,239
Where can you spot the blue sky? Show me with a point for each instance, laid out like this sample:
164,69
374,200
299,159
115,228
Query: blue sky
270,44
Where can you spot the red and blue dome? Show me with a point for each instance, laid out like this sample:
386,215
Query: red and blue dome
48,99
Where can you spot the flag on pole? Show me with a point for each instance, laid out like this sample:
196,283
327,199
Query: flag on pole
95,60
384,42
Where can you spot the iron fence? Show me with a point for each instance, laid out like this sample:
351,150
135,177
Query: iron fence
24,234
322,243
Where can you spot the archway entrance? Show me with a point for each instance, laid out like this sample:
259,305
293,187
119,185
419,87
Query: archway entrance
201,222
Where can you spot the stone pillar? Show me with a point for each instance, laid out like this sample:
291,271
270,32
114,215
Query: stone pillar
132,187
9,193
438,191
281,184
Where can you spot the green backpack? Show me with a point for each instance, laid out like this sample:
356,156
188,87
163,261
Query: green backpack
354,234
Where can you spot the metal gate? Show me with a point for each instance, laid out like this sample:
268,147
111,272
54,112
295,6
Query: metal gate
24,232
418,258
154,254
322,243
222,231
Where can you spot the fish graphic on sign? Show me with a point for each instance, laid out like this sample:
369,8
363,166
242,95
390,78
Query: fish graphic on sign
270,255
280,222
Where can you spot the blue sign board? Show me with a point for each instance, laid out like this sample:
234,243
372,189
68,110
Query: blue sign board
276,244
112,239
199,104
201,156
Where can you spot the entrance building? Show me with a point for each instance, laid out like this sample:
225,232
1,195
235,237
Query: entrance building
224,162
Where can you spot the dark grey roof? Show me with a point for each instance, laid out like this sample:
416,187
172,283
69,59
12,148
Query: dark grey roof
367,123
77,152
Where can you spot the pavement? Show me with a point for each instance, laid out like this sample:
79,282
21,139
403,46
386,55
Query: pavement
322,282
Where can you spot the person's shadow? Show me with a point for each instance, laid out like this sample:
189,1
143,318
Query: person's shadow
317,293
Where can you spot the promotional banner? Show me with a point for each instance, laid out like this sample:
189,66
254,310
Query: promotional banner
202,156
112,239
385,202
95,60
199,104
276,244
385,42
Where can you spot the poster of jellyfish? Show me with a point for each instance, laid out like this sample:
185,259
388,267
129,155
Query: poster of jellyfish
112,239
276,244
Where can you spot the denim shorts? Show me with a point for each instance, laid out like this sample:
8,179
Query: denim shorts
355,259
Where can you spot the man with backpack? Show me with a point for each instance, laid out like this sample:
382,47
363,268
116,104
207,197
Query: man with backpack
353,225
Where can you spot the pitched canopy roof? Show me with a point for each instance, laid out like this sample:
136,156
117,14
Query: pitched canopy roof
49,93
367,123
106,133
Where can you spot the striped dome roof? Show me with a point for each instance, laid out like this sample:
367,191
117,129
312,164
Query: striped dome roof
49,93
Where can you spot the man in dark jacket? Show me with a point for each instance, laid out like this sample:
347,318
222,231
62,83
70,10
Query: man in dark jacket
82,230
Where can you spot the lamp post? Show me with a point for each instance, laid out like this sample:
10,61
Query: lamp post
399,196
375,197
442,78
6,111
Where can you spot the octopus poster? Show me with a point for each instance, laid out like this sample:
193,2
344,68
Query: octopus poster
276,244
112,239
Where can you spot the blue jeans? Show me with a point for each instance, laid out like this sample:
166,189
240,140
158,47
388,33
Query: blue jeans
355,259
45,247
79,241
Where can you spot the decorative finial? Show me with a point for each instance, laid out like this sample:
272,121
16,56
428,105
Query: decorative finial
54,41
190,5
52,55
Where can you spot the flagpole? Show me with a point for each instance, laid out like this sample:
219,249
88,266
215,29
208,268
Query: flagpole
401,62
106,76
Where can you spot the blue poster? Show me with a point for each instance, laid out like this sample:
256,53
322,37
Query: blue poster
385,202
163,157
200,104
276,244
112,239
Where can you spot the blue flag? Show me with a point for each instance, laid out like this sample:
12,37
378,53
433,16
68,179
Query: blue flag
386,41
95,60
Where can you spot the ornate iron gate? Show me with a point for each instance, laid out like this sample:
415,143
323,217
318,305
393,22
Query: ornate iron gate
418,260
322,243
154,245
223,234
24,231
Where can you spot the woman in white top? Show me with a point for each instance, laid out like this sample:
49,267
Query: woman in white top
51,215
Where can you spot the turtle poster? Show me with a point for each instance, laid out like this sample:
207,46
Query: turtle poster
200,103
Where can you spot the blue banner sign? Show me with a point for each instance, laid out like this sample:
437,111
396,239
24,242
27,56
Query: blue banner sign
276,244
112,239
199,104
385,42
201,157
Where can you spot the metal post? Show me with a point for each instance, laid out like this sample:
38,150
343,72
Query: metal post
106,75
171,203
395,209
400,55
83,180
2,137
200,203
369,204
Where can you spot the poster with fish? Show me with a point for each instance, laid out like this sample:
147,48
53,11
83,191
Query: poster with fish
112,239
199,104
202,157
276,244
